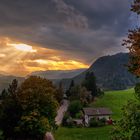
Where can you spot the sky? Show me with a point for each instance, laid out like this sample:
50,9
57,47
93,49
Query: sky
60,34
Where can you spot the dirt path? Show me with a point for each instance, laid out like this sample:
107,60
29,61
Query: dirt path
49,136
60,113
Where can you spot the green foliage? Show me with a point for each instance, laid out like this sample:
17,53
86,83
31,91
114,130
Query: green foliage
70,122
68,92
59,93
80,93
129,125
90,83
137,91
93,122
33,107
103,120
31,124
79,115
65,118
97,123
74,107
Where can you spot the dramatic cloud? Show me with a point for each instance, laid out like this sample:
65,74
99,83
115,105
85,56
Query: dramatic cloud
22,59
77,30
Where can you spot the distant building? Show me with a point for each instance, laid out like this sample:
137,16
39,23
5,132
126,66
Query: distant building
97,113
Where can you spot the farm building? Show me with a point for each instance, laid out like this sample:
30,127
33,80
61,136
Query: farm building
97,113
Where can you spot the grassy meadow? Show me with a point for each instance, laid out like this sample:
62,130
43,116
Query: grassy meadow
113,100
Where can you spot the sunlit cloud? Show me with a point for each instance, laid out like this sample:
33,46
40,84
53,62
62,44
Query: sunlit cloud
2,55
18,58
23,47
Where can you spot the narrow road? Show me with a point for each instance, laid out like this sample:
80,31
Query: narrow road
60,113
49,136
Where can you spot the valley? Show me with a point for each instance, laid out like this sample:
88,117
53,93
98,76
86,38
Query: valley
112,99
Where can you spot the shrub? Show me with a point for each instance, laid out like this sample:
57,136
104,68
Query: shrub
79,115
70,122
65,118
74,107
103,120
93,122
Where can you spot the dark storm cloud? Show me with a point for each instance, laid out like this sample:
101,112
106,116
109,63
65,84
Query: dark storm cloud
83,29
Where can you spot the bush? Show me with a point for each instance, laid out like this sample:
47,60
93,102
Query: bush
70,122
75,107
137,90
93,122
79,115
65,118
103,120
101,123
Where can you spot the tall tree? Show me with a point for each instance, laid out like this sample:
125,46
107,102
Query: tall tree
133,43
128,128
90,83
59,93
68,92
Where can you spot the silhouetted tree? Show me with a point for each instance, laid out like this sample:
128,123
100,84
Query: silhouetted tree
60,93
68,92
90,83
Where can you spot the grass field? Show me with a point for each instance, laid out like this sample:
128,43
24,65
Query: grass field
101,133
113,100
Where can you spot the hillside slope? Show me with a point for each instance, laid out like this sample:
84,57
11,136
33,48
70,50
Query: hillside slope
111,72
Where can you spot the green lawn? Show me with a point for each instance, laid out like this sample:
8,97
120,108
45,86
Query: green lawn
113,100
101,133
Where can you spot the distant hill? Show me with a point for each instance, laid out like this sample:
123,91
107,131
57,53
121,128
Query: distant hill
58,74
110,71
5,80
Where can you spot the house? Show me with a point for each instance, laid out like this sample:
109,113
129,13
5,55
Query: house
97,113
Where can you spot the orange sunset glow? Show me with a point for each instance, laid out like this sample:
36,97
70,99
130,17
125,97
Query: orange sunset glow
21,59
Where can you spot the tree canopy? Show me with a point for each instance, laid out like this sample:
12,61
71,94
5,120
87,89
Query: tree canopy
29,111
128,128
133,43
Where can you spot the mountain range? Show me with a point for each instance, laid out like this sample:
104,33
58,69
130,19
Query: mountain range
111,74
58,74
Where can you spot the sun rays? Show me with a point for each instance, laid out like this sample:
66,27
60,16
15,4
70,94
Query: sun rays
21,59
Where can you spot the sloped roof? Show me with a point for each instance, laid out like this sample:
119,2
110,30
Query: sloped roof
97,111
